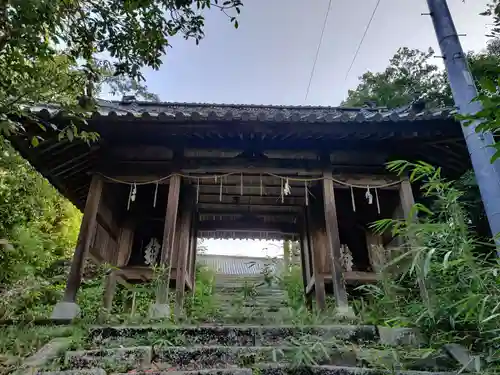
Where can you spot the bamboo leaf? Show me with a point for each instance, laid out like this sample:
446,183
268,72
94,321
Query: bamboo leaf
446,259
493,316
427,263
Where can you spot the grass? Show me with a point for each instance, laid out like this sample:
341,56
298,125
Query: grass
448,287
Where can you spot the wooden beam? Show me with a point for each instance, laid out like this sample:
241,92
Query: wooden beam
305,262
82,164
71,161
310,285
223,165
306,253
87,230
125,242
315,233
242,207
107,226
236,193
286,216
247,225
119,259
202,164
407,202
356,277
194,249
333,243
406,198
183,250
144,273
167,247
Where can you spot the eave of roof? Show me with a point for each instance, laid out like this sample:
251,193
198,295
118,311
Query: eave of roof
171,111
121,119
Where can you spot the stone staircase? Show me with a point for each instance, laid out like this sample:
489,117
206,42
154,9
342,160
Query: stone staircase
242,350
261,346
249,292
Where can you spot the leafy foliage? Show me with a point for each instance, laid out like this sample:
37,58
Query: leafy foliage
62,52
410,76
461,274
202,304
41,225
493,10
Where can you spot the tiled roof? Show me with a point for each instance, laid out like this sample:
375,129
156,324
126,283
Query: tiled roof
234,265
243,235
270,113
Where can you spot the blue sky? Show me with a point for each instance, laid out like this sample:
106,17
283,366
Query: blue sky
268,59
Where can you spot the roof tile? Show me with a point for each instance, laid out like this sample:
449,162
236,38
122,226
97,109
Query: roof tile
228,112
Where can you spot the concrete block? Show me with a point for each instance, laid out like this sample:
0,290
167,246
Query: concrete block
400,336
345,312
159,311
65,311
462,355
46,354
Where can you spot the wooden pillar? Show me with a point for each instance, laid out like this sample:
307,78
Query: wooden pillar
183,250
167,247
87,231
120,259
406,198
194,249
314,230
333,243
305,260
407,201
286,254
376,251
190,247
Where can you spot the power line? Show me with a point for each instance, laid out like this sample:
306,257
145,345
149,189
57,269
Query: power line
317,51
362,40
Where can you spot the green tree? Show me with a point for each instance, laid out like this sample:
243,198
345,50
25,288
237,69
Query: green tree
410,76
52,50
493,10
40,225
489,66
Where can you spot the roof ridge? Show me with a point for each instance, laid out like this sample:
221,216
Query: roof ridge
236,256
103,102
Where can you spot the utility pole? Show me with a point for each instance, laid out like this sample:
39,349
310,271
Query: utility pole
464,91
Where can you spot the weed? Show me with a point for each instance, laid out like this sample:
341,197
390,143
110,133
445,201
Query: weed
447,281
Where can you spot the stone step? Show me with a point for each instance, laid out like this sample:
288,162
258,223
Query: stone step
235,335
92,371
260,290
264,370
202,357
199,357
235,292
261,294
259,312
255,302
338,370
331,353
134,357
